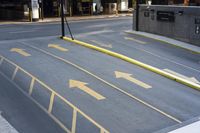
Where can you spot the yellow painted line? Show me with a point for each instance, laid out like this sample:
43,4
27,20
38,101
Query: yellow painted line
58,47
31,86
38,104
109,84
20,51
136,62
194,52
74,121
192,79
101,44
14,73
82,86
135,40
56,94
128,77
51,102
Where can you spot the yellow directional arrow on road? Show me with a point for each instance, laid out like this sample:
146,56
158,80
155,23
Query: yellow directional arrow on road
20,51
82,86
58,47
192,79
128,77
133,39
101,44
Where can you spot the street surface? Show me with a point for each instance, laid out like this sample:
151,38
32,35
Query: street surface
51,85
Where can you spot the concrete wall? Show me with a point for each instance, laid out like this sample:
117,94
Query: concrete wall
185,27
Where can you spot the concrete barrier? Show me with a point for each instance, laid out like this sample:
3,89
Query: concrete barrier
178,22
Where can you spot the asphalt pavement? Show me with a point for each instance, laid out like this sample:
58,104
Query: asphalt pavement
22,113
112,94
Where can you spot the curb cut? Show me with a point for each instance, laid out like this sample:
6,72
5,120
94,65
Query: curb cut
135,62
163,41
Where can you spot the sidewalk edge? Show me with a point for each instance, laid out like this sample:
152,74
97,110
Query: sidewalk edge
156,37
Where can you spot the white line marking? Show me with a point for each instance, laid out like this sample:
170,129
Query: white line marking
16,32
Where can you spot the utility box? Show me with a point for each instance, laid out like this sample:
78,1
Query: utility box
123,6
35,10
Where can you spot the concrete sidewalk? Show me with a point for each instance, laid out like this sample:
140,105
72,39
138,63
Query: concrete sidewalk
5,127
168,40
75,18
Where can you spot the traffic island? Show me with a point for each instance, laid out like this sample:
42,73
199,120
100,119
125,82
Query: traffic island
136,62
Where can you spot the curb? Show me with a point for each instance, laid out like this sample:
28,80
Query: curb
157,39
73,19
135,62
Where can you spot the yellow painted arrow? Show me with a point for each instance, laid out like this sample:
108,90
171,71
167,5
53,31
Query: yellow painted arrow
101,44
82,86
128,77
20,51
192,79
133,39
58,47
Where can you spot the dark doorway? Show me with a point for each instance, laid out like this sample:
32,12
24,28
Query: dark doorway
75,7
51,8
130,4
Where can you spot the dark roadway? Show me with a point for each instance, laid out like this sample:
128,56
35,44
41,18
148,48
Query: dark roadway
140,102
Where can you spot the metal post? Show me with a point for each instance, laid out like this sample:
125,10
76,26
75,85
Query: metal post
72,37
62,19
42,9
137,16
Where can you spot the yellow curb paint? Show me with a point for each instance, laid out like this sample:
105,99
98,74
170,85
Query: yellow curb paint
138,63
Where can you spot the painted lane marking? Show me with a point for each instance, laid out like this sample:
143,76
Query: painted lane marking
17,32
169,60
101,44
20,51
53,94
135,40
74,119
14,73
82,86
58,47
51,102
106,82
192,79
128,77
85,34
98,26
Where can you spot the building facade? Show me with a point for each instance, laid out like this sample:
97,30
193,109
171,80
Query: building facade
36,9
177,2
